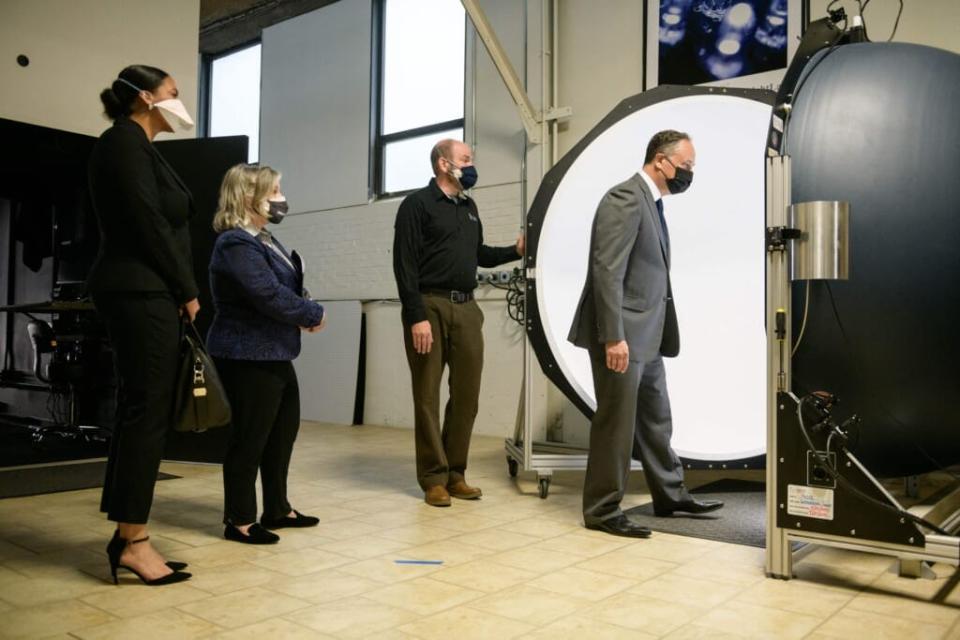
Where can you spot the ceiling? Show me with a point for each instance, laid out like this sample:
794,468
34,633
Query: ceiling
227,24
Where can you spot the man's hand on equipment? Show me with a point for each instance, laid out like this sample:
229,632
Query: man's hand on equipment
422,337
618,356
521,244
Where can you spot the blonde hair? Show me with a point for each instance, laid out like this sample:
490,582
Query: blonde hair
243,194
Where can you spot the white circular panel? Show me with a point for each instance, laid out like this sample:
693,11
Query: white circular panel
717,384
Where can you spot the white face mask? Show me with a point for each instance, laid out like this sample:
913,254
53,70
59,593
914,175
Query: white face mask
173,107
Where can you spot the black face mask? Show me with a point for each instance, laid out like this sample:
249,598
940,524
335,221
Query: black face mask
278,209
681,180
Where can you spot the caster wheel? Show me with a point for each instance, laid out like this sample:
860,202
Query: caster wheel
544,488
512,467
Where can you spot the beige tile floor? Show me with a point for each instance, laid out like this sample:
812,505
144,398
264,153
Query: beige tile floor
514,566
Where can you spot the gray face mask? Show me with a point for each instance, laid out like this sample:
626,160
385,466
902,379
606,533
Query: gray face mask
278,210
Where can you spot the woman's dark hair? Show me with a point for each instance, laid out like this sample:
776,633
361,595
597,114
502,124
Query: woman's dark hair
118,98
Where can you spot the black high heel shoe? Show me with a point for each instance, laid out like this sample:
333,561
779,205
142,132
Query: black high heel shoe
115,550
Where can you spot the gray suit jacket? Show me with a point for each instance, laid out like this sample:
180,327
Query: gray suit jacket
627,294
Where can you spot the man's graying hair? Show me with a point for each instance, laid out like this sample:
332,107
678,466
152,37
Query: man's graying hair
663,142
441,150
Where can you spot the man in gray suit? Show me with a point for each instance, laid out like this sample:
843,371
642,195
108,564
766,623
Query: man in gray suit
627,320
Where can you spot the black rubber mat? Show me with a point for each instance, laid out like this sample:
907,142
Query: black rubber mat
68,476
742,520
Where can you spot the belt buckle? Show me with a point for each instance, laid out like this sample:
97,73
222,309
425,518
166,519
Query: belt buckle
457,297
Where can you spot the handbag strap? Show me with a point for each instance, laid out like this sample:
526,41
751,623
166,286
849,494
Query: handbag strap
187,326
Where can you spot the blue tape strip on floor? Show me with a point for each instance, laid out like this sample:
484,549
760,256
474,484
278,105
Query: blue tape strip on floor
418,561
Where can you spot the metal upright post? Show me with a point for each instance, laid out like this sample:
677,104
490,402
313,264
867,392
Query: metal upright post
779,562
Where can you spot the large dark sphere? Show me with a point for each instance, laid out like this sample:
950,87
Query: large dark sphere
878,125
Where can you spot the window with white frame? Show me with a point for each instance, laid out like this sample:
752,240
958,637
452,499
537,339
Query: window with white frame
420,86
235,97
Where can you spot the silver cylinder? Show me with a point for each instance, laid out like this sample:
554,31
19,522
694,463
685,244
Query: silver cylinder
822,251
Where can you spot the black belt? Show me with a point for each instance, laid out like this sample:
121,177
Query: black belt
456,297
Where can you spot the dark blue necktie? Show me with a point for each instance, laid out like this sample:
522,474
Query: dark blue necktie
663,225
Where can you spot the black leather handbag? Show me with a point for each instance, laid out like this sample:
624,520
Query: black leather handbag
201,402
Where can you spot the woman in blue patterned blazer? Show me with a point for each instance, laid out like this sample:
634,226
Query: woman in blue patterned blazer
261,308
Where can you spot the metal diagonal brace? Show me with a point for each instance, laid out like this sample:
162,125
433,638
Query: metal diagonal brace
531,118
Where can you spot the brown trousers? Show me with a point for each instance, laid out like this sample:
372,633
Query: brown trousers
458,343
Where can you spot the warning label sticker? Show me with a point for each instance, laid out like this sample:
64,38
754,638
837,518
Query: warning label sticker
810,502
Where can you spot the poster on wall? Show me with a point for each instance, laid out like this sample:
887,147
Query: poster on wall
731,43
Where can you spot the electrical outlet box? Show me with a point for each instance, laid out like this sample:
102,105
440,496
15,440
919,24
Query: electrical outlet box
504,277
817,476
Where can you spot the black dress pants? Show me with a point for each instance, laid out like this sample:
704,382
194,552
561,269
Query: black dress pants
265,400
144,332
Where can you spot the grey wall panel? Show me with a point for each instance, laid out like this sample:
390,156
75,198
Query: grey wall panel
327,366
315,105
498,132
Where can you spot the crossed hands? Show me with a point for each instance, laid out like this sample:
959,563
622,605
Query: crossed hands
316,328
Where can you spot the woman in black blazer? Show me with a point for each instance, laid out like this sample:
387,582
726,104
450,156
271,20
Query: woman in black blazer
141,283
260,308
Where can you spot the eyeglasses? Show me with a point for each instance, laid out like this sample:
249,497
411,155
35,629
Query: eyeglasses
686,165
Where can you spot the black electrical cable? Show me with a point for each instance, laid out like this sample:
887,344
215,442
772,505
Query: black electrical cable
861,5
515,297
825,463
896,23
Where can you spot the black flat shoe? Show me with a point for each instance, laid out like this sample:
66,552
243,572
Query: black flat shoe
621,526
299,521
177,566
688,506
115,550
255,535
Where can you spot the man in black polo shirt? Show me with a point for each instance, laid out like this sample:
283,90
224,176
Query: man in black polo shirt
437,246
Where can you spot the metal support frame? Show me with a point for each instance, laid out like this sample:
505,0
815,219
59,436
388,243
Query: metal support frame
779,560
541,129
532,118
871,525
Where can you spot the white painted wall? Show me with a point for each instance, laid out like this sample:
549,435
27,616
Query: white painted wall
76,49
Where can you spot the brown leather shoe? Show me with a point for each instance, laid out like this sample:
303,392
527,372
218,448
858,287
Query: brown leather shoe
462,490
437,496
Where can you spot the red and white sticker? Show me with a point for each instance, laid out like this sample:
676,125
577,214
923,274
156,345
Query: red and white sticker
810,502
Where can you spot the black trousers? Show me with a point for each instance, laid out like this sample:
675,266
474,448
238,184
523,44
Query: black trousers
144,331
265,399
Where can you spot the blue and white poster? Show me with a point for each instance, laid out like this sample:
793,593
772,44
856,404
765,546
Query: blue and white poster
737,43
